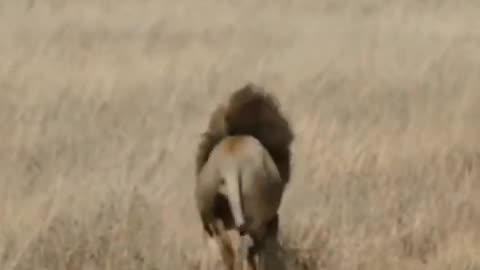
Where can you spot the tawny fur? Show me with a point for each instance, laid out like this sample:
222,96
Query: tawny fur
243,165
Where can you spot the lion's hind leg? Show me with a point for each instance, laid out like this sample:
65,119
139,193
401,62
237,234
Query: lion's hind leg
241,244
224,245
264,253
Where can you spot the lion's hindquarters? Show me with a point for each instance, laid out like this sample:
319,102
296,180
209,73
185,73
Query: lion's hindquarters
262,190
206,191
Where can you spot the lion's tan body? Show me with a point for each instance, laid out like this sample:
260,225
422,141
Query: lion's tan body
244,160
243,167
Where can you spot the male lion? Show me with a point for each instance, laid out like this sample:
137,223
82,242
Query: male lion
242,169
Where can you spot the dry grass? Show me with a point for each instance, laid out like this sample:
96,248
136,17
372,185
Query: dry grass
102,104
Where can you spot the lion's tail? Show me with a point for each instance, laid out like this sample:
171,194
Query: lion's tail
233,180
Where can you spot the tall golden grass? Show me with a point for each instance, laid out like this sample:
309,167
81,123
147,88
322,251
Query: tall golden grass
102,104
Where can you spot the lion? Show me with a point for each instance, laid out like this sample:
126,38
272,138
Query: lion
242,169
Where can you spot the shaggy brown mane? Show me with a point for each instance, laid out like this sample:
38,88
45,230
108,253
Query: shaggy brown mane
250,111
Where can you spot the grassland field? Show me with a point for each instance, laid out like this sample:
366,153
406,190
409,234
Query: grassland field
102,104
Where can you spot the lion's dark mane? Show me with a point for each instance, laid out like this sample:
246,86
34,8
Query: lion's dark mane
250,111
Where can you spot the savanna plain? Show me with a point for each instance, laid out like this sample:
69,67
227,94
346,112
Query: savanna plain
102,104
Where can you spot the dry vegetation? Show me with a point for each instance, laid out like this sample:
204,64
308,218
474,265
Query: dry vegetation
102,104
